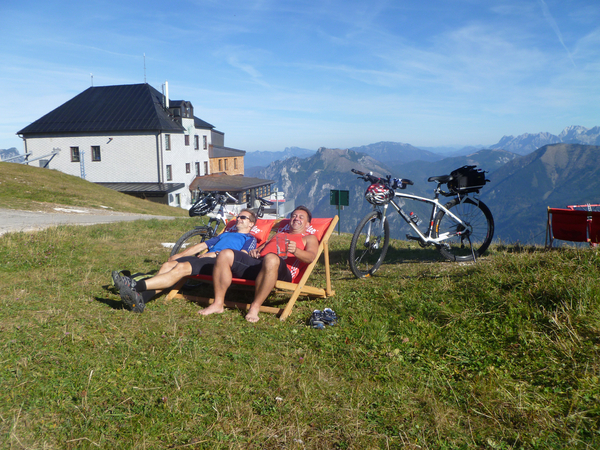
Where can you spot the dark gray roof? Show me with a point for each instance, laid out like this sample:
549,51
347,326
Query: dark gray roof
132,107
148,189
229,183
199,123
224,152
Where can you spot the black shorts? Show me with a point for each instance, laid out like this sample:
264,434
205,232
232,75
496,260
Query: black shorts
200,266
246,267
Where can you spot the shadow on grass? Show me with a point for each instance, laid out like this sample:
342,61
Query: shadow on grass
110,302
395,255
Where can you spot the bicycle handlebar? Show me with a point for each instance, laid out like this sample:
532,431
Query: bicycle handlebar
394,183
264,201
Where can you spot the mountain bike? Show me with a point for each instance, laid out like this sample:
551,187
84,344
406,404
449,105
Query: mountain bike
213,205
461,230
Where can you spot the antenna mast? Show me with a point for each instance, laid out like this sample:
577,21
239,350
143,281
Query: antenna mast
92,75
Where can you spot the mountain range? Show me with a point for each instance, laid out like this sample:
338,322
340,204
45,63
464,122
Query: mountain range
8,153
395,152
520,190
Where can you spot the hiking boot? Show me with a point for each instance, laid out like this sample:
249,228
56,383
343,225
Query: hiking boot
132,299
122,280
329,317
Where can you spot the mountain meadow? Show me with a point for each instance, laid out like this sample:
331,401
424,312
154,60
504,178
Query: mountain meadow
499,354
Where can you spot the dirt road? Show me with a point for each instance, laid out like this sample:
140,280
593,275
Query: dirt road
12,220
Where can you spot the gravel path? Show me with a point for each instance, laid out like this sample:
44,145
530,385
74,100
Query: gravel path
12,220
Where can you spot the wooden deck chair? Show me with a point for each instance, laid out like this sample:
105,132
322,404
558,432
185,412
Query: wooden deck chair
567,225
322,229
594,235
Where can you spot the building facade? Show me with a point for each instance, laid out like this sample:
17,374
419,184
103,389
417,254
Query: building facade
131,138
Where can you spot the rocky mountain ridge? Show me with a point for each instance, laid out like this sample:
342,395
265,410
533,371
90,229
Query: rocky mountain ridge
521,187
527,143
397,152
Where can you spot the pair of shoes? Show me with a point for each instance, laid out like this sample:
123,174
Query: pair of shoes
121,280
319,319
132,299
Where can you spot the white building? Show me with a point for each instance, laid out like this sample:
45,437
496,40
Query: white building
130,138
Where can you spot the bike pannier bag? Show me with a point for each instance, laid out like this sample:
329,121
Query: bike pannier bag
467,179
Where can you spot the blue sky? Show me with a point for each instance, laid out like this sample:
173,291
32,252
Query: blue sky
308,73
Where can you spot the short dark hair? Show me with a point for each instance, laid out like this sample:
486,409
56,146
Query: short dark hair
305,209
250,213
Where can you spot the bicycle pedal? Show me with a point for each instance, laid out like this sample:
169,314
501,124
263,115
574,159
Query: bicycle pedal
412,238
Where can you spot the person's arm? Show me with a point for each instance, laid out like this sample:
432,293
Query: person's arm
255,253
190,251
197,248
311,246
249,245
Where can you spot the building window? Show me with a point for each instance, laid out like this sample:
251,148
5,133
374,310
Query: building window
96,153
220,165
167,142
187,139
205,167
196,142
235,163
225,164
197,169
205,142
169,173
75,154
188,168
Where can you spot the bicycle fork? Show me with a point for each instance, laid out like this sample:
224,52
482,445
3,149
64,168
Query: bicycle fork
370,231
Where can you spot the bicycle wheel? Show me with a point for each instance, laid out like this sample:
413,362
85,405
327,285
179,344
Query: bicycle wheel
479,229
190,238
369,245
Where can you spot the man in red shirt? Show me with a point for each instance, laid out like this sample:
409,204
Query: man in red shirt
263,264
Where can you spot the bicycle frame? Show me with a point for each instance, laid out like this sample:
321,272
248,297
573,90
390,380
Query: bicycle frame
426,239
218,217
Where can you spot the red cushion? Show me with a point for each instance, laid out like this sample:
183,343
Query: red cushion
260,230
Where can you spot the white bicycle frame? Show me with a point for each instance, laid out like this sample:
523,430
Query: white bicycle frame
435,208
221,213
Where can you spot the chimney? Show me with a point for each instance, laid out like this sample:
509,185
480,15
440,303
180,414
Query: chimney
166,94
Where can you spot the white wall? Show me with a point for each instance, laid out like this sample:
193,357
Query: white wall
180,155
131,158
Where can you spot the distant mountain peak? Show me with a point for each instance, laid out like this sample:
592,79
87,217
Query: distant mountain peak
529,142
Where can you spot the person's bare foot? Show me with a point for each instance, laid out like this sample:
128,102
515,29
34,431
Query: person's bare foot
252,317
212,309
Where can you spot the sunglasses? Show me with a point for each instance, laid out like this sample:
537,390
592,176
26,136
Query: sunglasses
243,218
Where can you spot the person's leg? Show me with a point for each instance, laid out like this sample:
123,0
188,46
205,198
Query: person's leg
168,278
265,282
221,281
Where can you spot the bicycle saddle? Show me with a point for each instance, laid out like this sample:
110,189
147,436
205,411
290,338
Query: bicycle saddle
441,179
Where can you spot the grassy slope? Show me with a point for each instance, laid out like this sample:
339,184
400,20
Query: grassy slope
33,188
502,354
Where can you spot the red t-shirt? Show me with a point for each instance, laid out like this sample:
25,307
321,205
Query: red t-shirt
293,264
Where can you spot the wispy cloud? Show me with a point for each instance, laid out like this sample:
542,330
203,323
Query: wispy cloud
554,26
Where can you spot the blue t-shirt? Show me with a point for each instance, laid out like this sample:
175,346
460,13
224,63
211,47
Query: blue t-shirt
233,241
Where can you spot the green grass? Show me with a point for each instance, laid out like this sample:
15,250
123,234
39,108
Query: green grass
33,188
500,354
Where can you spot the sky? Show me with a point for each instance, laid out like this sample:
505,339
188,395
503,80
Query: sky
272,74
